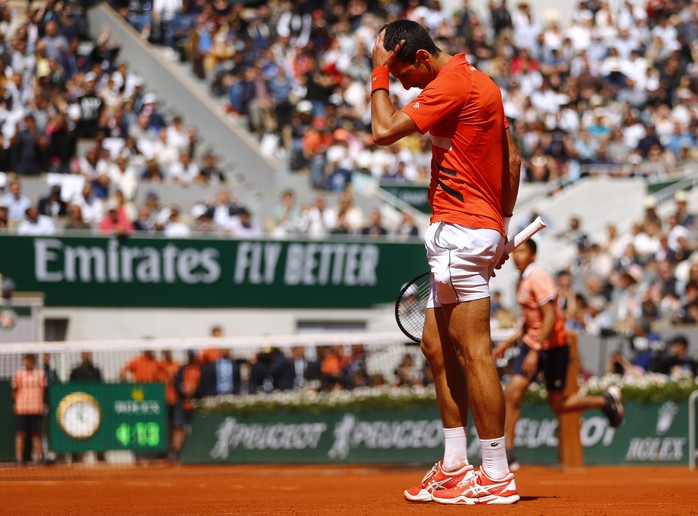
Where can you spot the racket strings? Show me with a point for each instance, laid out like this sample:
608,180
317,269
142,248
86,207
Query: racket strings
412,307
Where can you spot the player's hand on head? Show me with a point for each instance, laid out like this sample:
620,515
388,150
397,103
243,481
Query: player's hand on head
383,56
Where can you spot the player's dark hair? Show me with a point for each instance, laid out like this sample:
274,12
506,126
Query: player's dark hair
532,246
416,38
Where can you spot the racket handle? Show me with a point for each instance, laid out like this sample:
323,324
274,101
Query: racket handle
523,235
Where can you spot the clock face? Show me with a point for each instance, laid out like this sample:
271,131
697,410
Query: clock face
79,415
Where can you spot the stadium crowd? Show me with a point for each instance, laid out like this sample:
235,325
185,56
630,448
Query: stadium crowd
612,90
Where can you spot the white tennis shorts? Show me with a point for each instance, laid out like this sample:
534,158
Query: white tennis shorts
461,260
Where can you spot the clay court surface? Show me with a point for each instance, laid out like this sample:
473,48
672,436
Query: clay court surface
331,490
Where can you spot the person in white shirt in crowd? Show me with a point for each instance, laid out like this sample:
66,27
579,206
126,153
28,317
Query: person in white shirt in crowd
124,177
92,207
36,224
15,202
95,168
175,228
11,113
164,152
286,220
177,134
183,171
241,226
225,207
353,214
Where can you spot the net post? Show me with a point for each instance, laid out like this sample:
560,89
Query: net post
570,424
692,430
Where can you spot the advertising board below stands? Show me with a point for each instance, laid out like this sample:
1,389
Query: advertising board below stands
224,273
653,433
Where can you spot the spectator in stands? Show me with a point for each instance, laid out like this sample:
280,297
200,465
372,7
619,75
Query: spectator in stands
407,228
406,373
271,371
86,370
115,222
28,387
221,376
210,173
241,225
96,171
4,219
375,227
683,216
91,107
214,353
286,215
676,360
15,202
184,171
331,362
91,206
175,228
53,205
35,224
30,148
306,372
186,385
152,172
143,368
123,177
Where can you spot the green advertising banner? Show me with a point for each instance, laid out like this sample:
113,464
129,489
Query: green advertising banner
652,433
158,272
7,428
416,196
88,416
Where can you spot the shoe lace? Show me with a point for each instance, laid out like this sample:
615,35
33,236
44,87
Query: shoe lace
433,471
469,479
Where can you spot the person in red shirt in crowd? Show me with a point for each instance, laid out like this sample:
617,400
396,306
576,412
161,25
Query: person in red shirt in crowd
28,387
212,354
115,222
544,348
474,184
144,368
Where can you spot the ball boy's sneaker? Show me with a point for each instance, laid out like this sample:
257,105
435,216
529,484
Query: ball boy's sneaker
480,489
613,407
437,479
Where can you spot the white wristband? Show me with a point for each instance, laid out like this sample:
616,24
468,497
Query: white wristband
507,220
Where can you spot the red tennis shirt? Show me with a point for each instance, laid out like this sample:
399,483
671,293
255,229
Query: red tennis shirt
462,111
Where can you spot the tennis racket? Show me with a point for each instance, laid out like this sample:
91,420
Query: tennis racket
411,304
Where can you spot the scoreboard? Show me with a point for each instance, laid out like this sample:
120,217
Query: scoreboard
90,416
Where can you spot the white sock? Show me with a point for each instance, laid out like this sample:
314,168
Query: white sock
455,448
494,458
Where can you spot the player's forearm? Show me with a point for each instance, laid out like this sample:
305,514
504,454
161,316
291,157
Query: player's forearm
387,123
511,174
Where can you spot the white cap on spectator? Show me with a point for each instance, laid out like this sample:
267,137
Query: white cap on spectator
198,210
149,98
304,106
650,202
681,196
91,76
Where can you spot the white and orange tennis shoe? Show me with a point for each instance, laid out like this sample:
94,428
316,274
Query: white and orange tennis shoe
480,489
437,479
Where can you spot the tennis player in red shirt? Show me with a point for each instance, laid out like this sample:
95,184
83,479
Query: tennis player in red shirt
474,183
